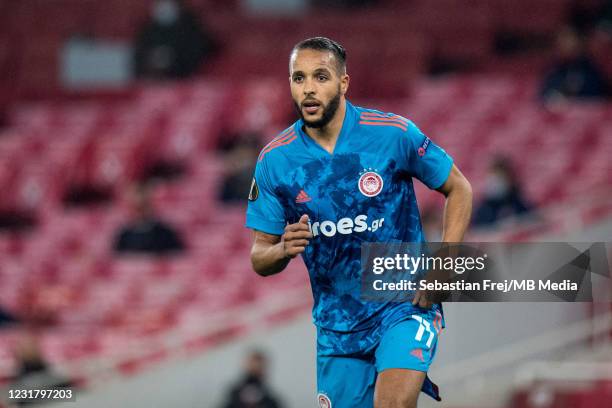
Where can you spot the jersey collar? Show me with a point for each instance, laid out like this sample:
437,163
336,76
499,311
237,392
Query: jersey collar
313,147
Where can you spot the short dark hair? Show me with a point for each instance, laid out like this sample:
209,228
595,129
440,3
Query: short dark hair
324,44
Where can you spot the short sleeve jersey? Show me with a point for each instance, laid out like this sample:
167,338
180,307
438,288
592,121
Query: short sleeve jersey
363,192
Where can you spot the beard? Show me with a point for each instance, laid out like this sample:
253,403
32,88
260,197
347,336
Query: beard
329,111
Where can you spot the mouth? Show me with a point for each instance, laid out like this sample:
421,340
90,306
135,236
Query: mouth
311,107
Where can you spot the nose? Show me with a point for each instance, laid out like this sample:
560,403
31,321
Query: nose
309,88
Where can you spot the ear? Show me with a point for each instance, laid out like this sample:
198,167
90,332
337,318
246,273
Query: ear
344,83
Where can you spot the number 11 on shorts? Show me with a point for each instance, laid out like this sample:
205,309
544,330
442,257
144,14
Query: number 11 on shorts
424,325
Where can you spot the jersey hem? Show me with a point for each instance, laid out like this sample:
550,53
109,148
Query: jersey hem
263,225
440,177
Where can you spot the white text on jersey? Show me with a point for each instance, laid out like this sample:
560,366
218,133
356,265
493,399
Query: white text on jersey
344,226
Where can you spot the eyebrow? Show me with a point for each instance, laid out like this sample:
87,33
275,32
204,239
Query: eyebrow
315,72
322,71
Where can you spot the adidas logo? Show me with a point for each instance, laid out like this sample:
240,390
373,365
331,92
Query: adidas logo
302,197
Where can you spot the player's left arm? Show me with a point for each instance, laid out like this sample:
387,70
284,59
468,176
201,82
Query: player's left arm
457,213
430,164
458,207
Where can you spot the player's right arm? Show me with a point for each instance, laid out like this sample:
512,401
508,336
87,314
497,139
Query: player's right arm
271,253
275,242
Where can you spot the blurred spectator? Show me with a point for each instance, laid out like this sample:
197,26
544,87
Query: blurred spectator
239,158
173,44
502,195
604,21
32,370
574,74
146,233
17,220
585,16
6,318
28,356
251,391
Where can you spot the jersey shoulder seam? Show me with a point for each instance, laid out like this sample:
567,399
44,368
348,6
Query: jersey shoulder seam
375,118
284,138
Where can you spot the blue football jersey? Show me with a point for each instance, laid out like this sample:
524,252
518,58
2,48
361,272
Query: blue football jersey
363,192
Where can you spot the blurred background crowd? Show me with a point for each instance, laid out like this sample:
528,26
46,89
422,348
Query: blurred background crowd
129,131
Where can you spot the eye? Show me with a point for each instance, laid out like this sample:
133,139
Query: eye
298,78
322,77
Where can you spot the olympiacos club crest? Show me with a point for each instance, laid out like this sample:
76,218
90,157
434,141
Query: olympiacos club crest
370,184
324,401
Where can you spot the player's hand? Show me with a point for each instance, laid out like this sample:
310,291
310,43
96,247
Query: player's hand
296,237
422,300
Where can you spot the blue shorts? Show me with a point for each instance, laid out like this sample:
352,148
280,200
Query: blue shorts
346,379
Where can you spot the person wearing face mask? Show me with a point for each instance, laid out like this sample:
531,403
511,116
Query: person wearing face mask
502,195
574,73
146,233
251,391
172,44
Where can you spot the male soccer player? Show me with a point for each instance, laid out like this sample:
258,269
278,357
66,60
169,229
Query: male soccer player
338,177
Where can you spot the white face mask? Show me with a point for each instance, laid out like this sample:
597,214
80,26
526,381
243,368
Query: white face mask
496,186
165,12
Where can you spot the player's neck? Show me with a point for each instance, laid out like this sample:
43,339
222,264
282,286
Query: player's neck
327,136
